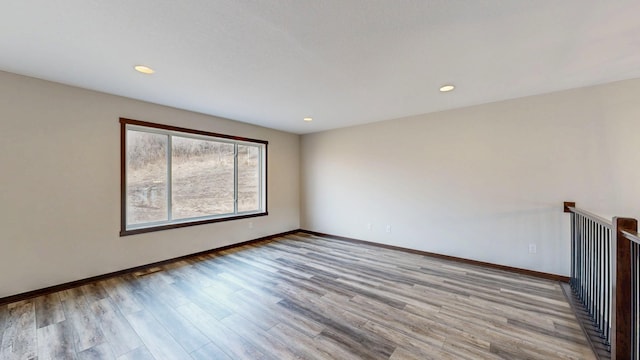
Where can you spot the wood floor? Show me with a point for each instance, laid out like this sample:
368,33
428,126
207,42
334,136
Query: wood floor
300,297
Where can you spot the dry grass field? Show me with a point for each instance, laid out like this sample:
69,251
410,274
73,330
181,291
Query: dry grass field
202,178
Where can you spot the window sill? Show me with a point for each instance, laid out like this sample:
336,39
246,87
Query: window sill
142,230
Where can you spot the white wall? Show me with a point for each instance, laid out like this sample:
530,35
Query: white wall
481,182
60,185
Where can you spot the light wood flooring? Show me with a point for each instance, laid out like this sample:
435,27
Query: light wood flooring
300,297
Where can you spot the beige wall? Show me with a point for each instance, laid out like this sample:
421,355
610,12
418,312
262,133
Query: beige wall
60,185
481,182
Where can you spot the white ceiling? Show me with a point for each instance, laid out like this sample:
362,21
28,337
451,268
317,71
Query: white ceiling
343,62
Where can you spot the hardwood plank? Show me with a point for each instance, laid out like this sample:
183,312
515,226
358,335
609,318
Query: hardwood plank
116,329
400,322
160,286
122,294
265,313
229,342
85,327
410,344
210,352
156,338
205,302
345,335
257,337
189,273
141,353
300,343
94,292
98,352
185,334
48,310
55,341
19,338
462,348
404,354
4,315
253,282
316,347
237,305
221,288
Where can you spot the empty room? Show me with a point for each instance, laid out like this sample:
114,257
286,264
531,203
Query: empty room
356,179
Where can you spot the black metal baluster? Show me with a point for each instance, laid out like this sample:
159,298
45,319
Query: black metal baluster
607,307
634,302
605,286
599,289
636,295
579,241
600,277
590,271
582,260
573,251
594,275
576,283
578,257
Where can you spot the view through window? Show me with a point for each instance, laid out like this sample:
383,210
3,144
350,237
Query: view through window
175,177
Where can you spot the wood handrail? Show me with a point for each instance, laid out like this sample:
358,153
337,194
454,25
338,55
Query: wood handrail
599,219
631,236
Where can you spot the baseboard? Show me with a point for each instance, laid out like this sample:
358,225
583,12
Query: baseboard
55,288
538,274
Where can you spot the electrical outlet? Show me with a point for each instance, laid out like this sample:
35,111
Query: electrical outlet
532,249
388,228
369,226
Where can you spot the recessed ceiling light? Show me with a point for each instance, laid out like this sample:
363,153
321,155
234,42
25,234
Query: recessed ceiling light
446,88
144,69
307,119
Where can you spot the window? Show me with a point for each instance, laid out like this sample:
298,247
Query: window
174,177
